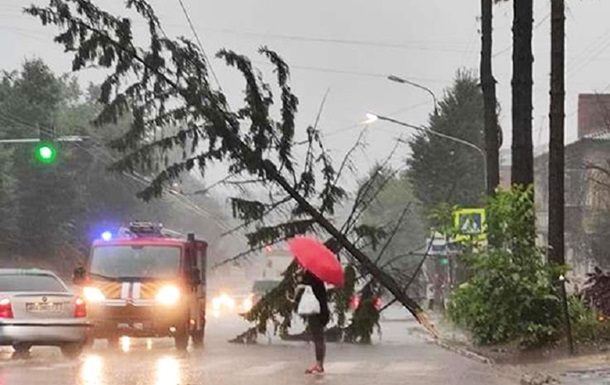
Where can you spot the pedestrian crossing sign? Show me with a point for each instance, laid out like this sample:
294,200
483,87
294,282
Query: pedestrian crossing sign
470,224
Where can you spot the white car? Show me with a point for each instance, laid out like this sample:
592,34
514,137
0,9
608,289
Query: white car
38,309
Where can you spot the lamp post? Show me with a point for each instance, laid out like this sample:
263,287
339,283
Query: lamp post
398,79
566,313
371,118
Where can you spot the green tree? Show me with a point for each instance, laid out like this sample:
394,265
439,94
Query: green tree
511,292
56,210
8,211
29,101
435,162
399,214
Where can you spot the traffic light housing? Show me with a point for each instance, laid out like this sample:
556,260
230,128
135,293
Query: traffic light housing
45,153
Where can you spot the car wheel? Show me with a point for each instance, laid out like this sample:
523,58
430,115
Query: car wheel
89,342
181,337
72,350
21,350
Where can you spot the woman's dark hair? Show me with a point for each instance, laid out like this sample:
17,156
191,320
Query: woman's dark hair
310,279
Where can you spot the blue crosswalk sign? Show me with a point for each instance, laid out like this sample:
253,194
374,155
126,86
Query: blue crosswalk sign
470,222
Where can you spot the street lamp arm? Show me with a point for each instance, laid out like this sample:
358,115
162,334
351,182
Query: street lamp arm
398,79
429,131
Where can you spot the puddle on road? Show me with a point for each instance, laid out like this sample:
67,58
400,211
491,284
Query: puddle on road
598,376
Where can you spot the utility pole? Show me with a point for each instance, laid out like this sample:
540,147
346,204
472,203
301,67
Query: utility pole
556,238
488,85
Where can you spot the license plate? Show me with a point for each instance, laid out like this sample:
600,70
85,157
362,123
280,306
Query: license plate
43,307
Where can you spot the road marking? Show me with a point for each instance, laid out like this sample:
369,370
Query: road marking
137,290
125,290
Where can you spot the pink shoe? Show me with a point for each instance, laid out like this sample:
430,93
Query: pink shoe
315,369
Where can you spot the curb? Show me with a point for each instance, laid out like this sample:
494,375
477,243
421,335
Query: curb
455,349
464,352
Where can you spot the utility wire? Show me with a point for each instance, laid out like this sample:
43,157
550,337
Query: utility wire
180,198
188,19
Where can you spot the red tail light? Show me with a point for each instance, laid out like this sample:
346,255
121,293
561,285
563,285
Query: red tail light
80,308
6,310
378,303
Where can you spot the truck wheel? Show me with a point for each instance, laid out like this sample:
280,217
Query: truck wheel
113,342
198,336
181,337
72,350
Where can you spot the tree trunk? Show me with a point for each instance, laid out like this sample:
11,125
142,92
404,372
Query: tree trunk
488,84
556,140
382,277
341,239
522,172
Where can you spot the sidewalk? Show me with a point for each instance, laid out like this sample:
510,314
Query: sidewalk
591,369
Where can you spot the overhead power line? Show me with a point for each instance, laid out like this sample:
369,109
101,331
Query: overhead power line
417,45
179,198
205,55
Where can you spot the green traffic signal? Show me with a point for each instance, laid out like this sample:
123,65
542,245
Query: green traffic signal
45,153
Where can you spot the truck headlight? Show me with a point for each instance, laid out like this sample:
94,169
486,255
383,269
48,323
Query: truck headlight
93,294
168,295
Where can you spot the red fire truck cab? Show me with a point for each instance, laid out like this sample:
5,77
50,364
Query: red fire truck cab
146,282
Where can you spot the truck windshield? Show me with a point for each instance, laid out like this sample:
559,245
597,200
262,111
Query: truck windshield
117,261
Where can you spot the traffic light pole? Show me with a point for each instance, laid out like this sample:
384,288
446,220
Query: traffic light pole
36,140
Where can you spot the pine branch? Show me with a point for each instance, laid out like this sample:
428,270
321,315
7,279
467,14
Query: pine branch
269,235
268,211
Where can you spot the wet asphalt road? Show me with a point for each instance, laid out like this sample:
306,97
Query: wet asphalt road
397,359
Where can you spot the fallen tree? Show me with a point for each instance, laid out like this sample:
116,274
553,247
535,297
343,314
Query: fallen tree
166,83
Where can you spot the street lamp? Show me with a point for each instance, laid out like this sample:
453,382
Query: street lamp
398,79
371,118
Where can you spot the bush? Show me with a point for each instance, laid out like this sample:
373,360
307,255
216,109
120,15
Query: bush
509,295
504,301
588,324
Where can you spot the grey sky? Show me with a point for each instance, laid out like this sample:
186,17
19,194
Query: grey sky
426,41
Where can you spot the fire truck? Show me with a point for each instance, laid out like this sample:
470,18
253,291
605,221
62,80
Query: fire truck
146,281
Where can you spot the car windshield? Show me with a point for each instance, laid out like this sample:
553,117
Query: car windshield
116,261
30,283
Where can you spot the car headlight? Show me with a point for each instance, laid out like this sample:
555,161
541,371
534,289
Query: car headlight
93,294
168,295
223,300
247,305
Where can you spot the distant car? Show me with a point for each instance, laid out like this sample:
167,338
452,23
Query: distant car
38,309
241,302
262,287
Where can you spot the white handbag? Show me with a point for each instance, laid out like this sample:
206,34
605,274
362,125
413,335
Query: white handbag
309,304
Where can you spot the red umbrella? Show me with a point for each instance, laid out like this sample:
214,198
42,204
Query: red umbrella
318,259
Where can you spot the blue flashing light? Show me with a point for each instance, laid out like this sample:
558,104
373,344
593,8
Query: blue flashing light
106,235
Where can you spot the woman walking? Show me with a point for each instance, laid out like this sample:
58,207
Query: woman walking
320,265
316,321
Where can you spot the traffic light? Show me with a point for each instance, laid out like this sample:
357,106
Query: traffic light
45,153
